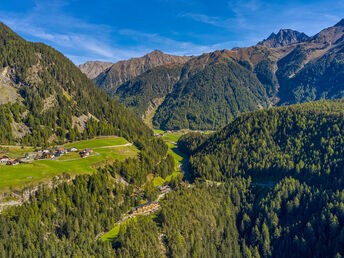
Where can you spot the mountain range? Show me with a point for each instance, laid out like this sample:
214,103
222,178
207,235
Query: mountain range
208,91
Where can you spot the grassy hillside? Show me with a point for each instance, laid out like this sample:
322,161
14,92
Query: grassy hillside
106,150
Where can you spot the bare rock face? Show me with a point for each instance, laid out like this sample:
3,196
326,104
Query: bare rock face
93,68
284,38
122,71
8,88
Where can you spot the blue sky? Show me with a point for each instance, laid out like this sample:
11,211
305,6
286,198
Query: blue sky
120,29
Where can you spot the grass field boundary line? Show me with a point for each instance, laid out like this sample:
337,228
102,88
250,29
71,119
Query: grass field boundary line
115,146
16,146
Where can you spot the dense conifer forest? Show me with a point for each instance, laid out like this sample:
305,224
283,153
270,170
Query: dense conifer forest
303,140
51,93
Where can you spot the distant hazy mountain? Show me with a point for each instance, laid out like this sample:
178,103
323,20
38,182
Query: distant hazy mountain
284,38
93,68
208,91
122,71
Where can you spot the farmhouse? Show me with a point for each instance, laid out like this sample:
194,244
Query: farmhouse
61,151
12,162
32,155
84,153
23,160
4,159
72,149
48,156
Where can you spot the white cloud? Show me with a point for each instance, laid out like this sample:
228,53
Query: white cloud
175,47
68,32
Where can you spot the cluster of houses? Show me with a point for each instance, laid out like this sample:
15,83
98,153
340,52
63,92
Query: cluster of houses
145,208
183,131
43,154
51,154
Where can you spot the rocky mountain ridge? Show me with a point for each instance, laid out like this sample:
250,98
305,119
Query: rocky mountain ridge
122,71
208,91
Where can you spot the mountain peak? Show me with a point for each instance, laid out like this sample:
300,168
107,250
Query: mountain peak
340,23
155,52
283,38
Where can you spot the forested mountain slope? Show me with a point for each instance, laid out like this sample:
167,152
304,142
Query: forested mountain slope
313,70
292,158
145,93
205,93
50,100
213,89
304,139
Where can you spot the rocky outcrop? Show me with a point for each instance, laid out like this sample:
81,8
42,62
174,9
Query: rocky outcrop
284,38
15,198
93,68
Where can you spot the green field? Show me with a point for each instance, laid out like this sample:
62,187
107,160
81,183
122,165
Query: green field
178,158
173,150
15,177
113,233
98,142
172,137
169,137
159,181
